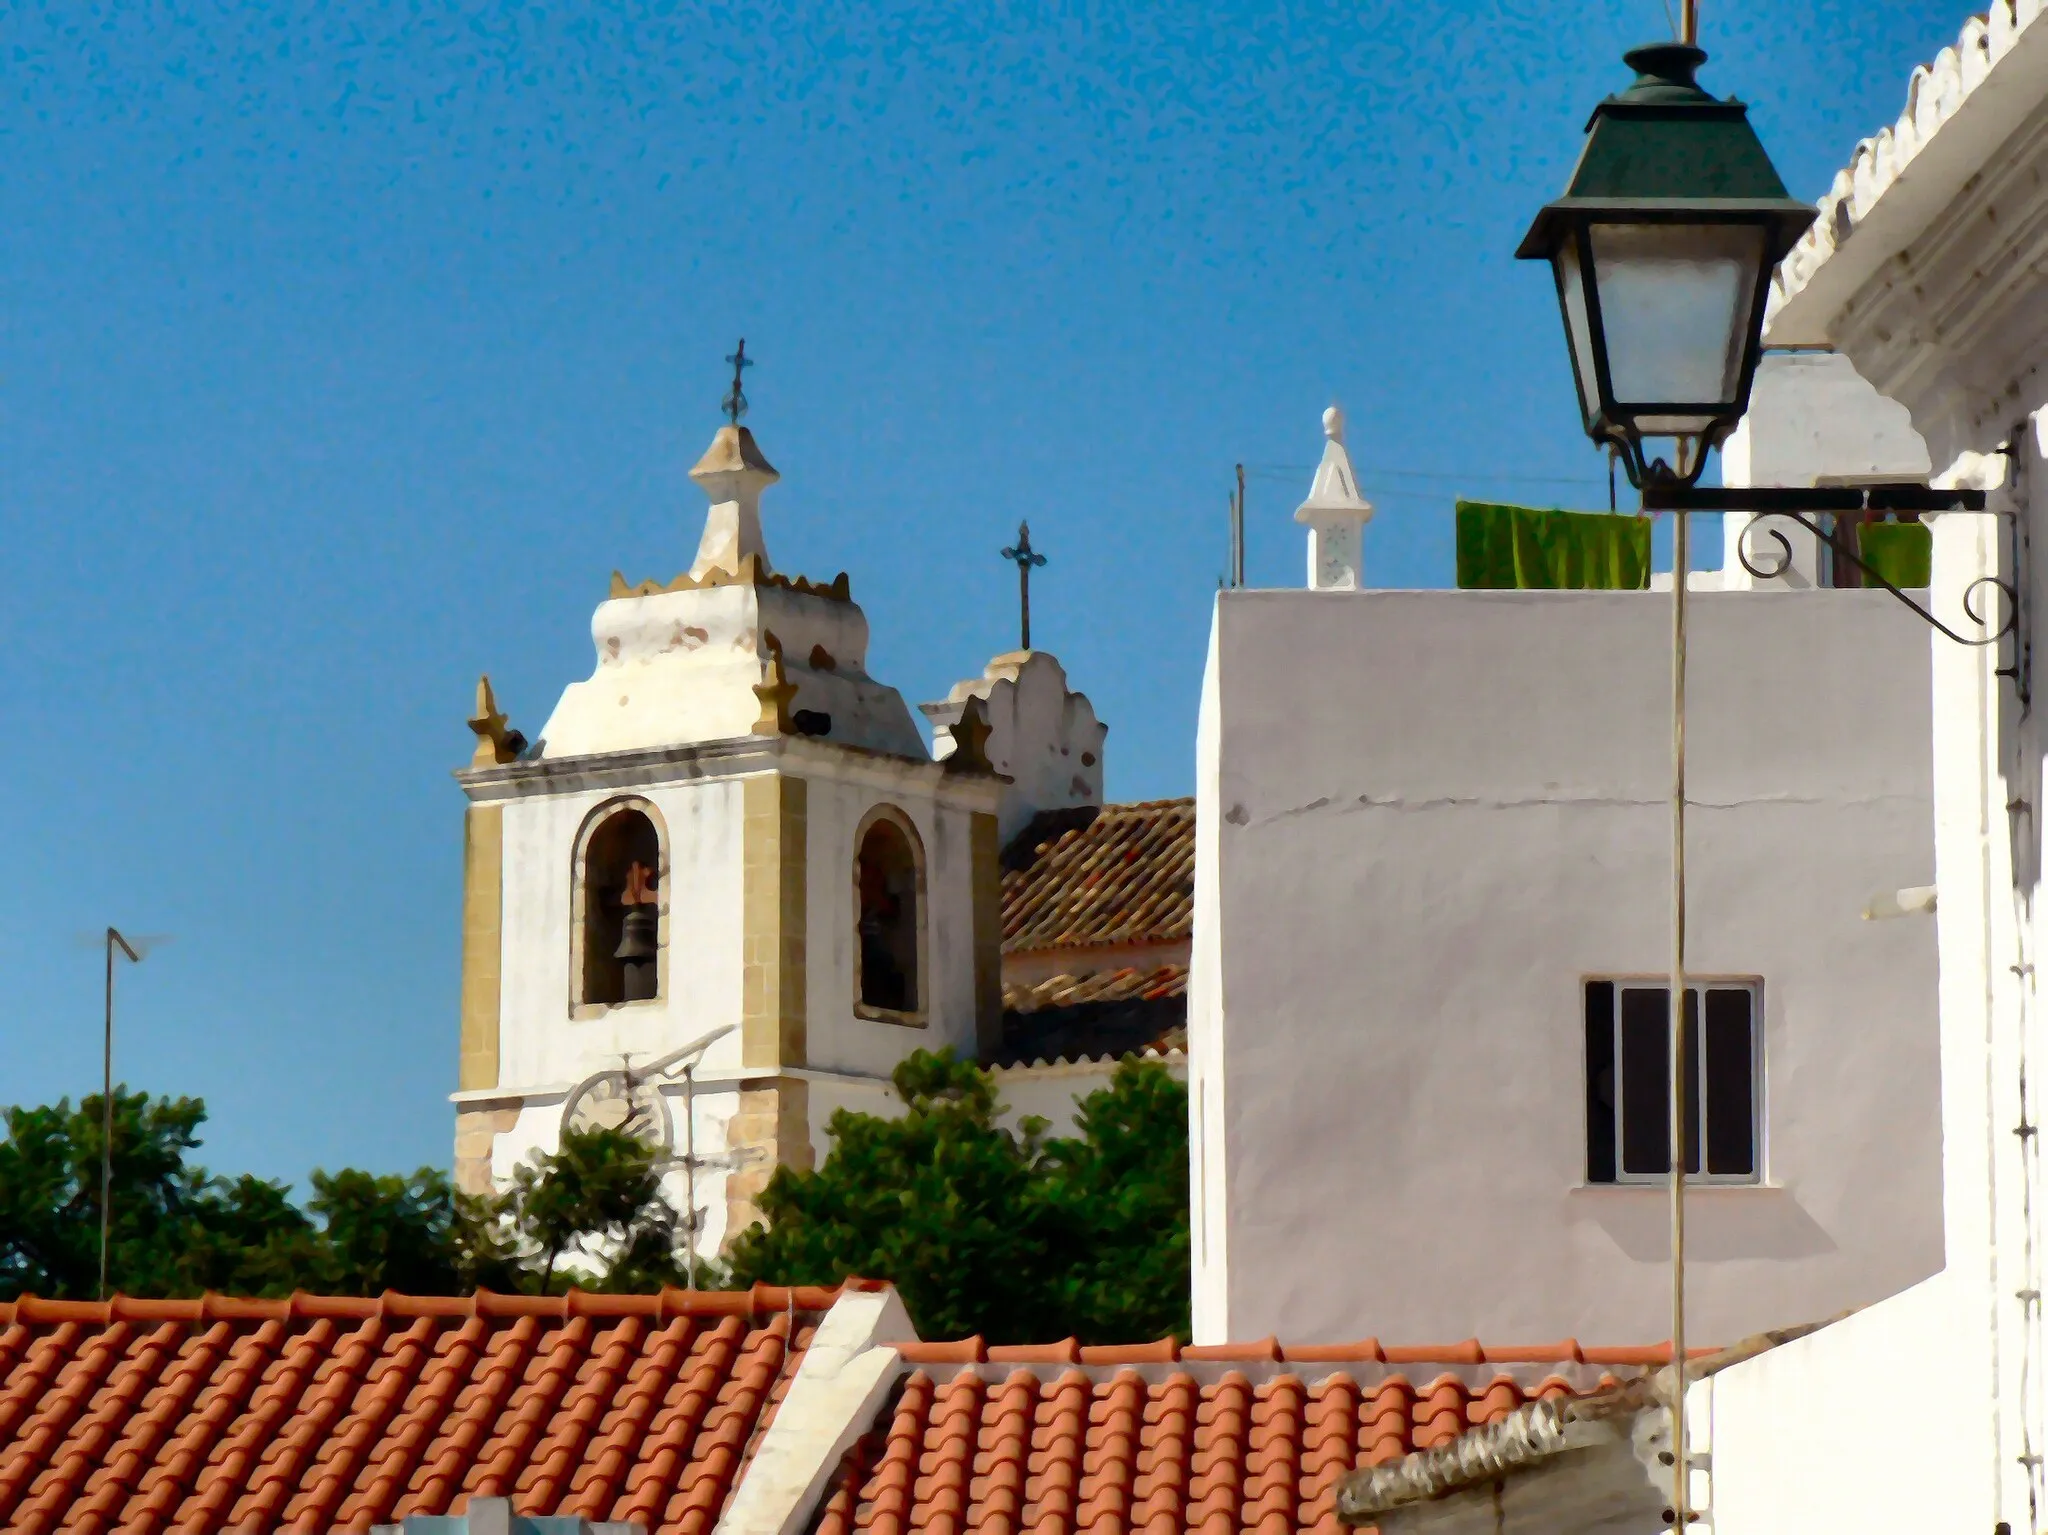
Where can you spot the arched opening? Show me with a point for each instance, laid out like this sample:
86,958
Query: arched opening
622,910
886,877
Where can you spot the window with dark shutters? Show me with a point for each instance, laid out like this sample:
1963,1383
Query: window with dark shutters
1628,1075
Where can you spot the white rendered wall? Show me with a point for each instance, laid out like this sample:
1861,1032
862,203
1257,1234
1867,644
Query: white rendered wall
1043,736
1427,818
547,1043
540,1043
1054,1092
1813,419
837,1039
1970,1327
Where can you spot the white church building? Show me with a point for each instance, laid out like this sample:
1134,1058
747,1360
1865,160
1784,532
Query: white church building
726,888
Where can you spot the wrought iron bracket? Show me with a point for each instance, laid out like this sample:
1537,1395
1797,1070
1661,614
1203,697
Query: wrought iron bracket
1801,504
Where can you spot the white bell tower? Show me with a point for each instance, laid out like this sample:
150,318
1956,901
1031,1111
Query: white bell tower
728,829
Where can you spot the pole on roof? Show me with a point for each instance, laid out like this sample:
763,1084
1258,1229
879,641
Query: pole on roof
1237,532
107,1103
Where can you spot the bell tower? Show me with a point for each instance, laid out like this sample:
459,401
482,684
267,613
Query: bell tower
728,830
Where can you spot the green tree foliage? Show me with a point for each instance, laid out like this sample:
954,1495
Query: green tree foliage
596,1201
1008,1234
985,1230
177,1230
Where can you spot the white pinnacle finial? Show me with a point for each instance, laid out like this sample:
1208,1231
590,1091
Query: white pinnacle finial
732,473
1336,515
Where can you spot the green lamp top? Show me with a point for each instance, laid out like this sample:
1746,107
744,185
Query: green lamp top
1665,147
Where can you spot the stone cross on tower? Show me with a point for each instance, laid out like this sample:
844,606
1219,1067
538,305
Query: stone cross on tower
1024,557
1336,515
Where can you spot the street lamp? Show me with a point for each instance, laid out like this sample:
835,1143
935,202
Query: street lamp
1663,247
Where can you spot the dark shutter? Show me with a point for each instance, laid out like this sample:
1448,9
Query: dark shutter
1645,1032
1731,1094
1600,1082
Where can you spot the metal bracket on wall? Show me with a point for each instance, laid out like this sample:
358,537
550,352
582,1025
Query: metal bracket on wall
2020,553
1801,504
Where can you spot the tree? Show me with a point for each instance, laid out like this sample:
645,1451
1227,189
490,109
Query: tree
596,1200
386,1232
991,1231
178,1230
174,1230
1120,1191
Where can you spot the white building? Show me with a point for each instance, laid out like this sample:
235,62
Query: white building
1926,271
1426,1017
1929,1409
727,889
822,893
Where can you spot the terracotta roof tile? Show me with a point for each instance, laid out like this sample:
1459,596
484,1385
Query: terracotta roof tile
320,1413
1158,983
1127,877
1160,1439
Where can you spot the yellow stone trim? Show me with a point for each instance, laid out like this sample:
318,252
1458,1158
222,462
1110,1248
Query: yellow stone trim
985,850
483,916
776,693
496,742
476,1135
774,832
751,573
773,1123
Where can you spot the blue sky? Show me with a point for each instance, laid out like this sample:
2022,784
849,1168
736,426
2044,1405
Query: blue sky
345,352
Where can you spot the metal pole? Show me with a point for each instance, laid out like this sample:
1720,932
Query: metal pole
1237,532
107,1119
1688,21
107,1104
1681,561
690,1172
1024,602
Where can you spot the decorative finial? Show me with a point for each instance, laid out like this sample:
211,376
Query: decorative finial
1024,557
495,745
735,404
1336,515
969,735
776,693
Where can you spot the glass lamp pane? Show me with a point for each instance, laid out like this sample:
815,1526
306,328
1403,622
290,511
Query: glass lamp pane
1571,292
1675,303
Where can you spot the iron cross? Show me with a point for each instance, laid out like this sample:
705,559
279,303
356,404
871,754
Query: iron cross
1024,557
735,404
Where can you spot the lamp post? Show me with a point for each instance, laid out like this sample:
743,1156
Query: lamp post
1662,249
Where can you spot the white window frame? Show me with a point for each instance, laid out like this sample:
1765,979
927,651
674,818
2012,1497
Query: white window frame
1754,987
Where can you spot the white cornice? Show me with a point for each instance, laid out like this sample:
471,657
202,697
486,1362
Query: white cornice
801,756
1960,110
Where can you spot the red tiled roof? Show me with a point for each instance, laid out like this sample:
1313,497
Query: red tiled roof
318,1413
1126,877
979,1440
1159,984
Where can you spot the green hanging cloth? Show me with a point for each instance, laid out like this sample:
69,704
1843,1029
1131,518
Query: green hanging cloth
1523,548
1901,552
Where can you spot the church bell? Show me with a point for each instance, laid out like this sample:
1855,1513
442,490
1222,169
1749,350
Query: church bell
637,949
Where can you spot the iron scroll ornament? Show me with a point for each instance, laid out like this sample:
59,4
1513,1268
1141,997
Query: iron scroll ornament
1769,566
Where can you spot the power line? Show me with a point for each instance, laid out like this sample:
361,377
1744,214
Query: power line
1288,471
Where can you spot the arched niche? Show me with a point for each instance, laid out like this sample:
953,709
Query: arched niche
620,880
890,950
